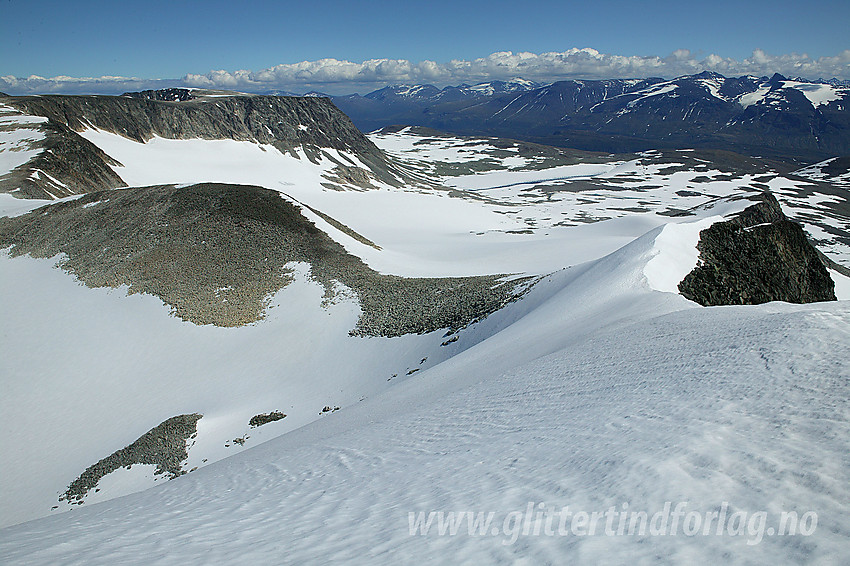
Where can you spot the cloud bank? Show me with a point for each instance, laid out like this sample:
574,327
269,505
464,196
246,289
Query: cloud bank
342,77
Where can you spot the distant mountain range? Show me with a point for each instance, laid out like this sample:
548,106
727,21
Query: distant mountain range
792,119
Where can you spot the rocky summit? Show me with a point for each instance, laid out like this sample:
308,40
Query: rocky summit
757,257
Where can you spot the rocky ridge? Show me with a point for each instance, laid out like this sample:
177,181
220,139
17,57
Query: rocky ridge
290,124
756,257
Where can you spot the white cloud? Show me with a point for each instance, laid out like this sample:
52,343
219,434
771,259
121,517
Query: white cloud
336,76
35,84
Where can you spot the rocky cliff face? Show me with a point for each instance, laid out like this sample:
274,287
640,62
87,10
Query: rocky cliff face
757,257
67,164
287,123
284,122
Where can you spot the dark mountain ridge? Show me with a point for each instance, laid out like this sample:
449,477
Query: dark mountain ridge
286,123
792,120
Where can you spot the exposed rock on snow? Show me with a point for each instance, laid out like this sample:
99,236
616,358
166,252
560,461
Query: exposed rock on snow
265,418
43,159
216,253
270,120
163,446
757,257
67,164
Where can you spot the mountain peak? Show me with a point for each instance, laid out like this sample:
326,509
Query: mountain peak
708,75
777,79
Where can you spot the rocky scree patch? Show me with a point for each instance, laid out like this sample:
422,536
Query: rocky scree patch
265,418
217,253
163,446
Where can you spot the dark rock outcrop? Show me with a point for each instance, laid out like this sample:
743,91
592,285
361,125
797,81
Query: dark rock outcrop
168,94
757,257
265,418
163,446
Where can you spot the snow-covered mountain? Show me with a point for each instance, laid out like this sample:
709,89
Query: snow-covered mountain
835,171
60,161
795,120
317,333
430,93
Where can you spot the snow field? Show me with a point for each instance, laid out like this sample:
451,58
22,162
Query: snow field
599,391
601,386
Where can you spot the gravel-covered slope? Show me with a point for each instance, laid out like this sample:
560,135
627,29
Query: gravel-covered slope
216,253
72,165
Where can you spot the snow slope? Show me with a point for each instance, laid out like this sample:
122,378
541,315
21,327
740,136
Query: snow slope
573,205
119,365
602,386
497,211
421,232
600,392
817,94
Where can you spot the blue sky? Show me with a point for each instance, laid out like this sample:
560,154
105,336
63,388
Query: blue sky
171,40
